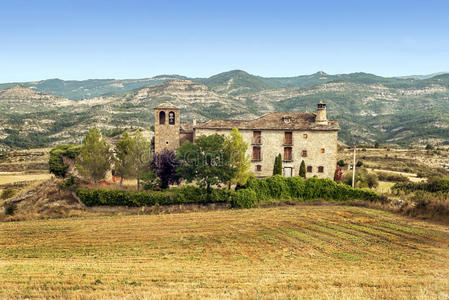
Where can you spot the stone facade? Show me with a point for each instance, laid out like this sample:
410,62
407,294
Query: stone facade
297,137
320,147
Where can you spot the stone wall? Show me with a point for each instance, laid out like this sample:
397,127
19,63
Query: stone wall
272,143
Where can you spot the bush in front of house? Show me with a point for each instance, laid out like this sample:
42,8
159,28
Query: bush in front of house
296,188
182,195
255,192
99,197
244,198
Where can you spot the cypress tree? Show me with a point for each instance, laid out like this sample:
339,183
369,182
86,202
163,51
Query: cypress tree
277,169
302,170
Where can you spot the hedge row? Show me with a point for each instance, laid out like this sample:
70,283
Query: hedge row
183,195
255,192
278,187
438,185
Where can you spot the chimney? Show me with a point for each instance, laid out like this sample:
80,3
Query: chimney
194,122
321,118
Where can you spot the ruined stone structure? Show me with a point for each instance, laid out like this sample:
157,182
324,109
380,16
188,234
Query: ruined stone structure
298,137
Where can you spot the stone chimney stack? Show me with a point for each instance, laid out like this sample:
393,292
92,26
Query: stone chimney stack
321,117
194,122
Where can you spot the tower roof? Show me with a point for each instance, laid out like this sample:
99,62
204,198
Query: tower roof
167,105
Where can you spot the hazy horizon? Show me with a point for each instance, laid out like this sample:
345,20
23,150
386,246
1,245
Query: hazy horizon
192,77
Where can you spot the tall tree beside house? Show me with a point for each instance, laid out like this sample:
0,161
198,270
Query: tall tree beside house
94,159
277,169
141,153
237,147
205,161
302,169
164,165
124,161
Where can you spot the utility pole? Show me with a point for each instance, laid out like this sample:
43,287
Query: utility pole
353,170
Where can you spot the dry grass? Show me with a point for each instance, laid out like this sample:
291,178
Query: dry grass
318,252
6,178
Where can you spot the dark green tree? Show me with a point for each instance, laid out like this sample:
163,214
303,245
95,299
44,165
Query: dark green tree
277,169
206,161
302,170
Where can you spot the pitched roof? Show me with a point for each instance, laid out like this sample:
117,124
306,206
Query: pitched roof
276,120
166,105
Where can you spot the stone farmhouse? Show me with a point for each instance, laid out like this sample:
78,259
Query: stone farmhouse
298,137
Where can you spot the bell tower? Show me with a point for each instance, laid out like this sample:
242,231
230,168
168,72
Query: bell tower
166,127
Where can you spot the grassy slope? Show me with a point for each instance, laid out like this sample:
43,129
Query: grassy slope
303,251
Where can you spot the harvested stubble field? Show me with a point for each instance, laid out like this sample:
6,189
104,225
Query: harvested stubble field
318,252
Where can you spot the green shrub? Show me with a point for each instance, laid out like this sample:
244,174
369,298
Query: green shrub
433,186
181,195
10,209
67,184
296,188
98,197
256,191
244,198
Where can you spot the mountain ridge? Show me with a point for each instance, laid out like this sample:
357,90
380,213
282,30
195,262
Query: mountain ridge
369,108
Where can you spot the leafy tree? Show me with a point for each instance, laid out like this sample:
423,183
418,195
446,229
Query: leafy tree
359,164
205,161
94,159
302,169
429,147
124,160
140,152
277,169
363,179
164,165
372,180
237,148
56,162
376,145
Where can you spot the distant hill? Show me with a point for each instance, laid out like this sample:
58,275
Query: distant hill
397,111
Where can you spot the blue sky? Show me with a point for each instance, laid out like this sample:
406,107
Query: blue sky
135,39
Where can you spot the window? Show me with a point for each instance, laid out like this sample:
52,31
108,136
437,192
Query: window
256,154
259,168
304,135
304,153
287,153
257,137
320,169
288,138
162,117
309,169
171,118
322,150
